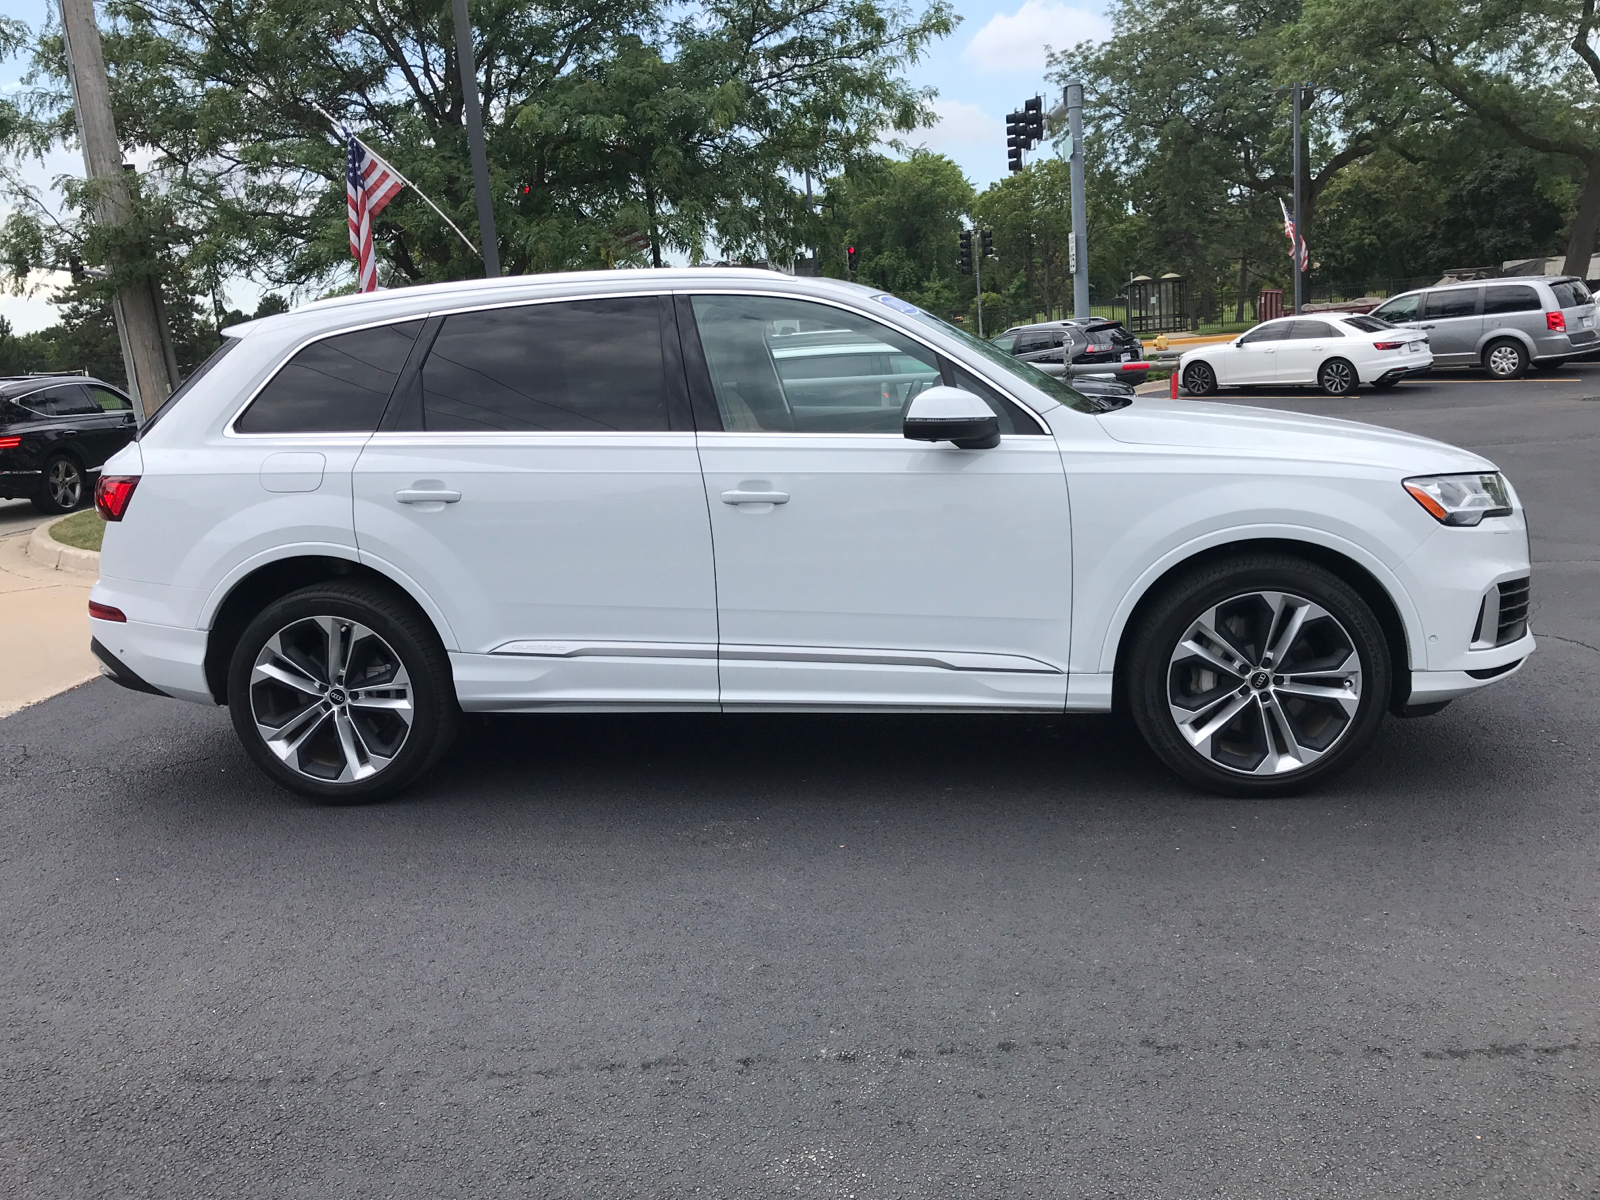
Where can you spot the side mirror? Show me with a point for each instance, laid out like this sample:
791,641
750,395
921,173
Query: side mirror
947,414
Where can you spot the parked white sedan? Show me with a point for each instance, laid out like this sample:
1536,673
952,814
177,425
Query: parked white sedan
1336,351
702,490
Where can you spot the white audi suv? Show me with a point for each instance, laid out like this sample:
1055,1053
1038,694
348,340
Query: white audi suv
734,490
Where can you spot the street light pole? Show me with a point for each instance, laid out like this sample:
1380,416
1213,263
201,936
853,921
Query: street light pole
480,157
1080,218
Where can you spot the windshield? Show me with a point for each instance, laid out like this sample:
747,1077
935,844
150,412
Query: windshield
1028,374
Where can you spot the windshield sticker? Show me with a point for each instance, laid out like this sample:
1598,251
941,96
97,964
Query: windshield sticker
897,304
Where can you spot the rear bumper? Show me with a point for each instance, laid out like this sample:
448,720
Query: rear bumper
167,661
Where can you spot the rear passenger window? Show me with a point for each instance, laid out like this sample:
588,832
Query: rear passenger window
1442,305
1510,299
1307,330
340,384
582,366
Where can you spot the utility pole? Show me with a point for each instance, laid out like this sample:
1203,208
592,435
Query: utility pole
146,349
1079,255
1299,229
480,156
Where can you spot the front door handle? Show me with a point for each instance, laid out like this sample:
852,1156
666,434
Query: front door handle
740,496
427,496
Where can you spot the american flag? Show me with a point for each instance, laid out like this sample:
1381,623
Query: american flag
370,183
1289,232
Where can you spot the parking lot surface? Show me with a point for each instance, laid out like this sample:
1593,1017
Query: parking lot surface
831,956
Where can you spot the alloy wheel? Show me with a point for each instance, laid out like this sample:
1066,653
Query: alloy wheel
1337,378
1505,361
1199,380
65,483
331,699
1264,684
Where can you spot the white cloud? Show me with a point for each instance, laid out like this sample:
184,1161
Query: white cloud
32,310
962,127
1018,41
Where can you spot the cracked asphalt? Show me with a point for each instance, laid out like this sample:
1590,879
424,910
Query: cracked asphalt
830,956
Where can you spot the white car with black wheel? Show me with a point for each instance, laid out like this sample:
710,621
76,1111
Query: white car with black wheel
1336,351
736,491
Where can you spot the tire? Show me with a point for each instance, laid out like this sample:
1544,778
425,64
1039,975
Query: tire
1199,379
337,743
64,487
1505,359
1177,669
1337,377
1547,365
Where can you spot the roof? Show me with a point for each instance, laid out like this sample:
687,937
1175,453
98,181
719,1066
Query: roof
11,385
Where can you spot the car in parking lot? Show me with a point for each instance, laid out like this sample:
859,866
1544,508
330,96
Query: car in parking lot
740,491
1337,351
1502,325
55,432
1079,341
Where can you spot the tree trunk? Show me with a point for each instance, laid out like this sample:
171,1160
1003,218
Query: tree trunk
1244,282
655,239
1580,249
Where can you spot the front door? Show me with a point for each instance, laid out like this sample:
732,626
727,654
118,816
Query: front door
1255,358
542,487
855,568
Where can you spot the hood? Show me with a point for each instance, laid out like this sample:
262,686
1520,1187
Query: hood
1266,433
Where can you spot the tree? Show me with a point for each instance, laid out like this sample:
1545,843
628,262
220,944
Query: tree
1529,68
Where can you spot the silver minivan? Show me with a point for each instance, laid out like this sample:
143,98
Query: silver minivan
1502,325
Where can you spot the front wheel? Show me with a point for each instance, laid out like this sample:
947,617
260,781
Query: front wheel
1337,377
1199,379
342,692
1258,675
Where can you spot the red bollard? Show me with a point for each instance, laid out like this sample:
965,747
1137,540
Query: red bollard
1174,383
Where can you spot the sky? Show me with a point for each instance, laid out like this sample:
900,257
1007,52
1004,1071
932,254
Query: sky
992,63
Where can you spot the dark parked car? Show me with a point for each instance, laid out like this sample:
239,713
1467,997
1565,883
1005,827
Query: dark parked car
1093,340
55,432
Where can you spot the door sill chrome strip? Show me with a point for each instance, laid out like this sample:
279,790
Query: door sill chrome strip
528,649
942,660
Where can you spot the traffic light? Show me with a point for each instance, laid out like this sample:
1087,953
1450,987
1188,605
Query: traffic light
1033,121
986,243
1014,141
850,258
966,252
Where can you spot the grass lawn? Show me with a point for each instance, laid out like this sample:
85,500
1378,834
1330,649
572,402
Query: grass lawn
82,529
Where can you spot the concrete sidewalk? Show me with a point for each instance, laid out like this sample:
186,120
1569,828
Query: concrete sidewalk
44,628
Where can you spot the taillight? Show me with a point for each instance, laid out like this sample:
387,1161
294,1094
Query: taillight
1555,322
112,493
10,443
104,612
1387,345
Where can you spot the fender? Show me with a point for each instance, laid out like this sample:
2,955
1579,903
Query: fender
350,554
1501,334
1386,578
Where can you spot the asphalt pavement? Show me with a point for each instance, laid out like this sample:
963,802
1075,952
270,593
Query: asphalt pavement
753,956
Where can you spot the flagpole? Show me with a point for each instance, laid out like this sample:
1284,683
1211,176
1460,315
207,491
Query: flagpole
345,132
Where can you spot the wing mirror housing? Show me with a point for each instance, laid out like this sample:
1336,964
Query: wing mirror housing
947,414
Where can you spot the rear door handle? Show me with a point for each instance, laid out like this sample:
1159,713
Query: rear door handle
739,496
427,496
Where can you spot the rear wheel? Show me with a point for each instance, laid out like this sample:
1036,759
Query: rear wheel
1258,675
1505,359
1199,379
342,692
62,489
1337,377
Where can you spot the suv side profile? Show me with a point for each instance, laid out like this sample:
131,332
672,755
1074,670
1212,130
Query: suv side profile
55,433
1092,340
1502,325
732,490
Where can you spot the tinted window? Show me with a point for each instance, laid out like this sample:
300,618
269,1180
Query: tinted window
1006,342
1570,293
1400,309
1036,340
1274,332
340,384
1503,299
71,399
110,401
581,366
1368,324
763,354
1461,302
1305,330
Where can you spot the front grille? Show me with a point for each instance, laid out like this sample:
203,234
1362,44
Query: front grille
1513,611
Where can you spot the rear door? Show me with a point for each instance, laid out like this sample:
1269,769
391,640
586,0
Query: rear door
113,422
1310,343
540,483
1453,318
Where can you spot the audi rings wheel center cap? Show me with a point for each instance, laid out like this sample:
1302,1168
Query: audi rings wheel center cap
1260,680
336,695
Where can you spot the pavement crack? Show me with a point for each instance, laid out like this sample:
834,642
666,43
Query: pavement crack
1556,637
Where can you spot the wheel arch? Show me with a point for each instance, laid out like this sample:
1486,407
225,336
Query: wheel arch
253,586
1398,621
1505,333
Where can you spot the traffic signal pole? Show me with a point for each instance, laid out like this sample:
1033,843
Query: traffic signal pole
1080,218
977,273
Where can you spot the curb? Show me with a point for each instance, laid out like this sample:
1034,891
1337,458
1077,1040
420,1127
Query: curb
45,550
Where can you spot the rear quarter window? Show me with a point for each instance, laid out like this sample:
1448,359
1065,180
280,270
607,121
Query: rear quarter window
340,384
1570,293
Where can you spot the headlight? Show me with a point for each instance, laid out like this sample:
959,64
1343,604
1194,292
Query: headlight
1461,499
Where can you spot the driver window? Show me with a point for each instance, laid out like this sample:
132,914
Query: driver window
1266,333
1401,308
791,366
